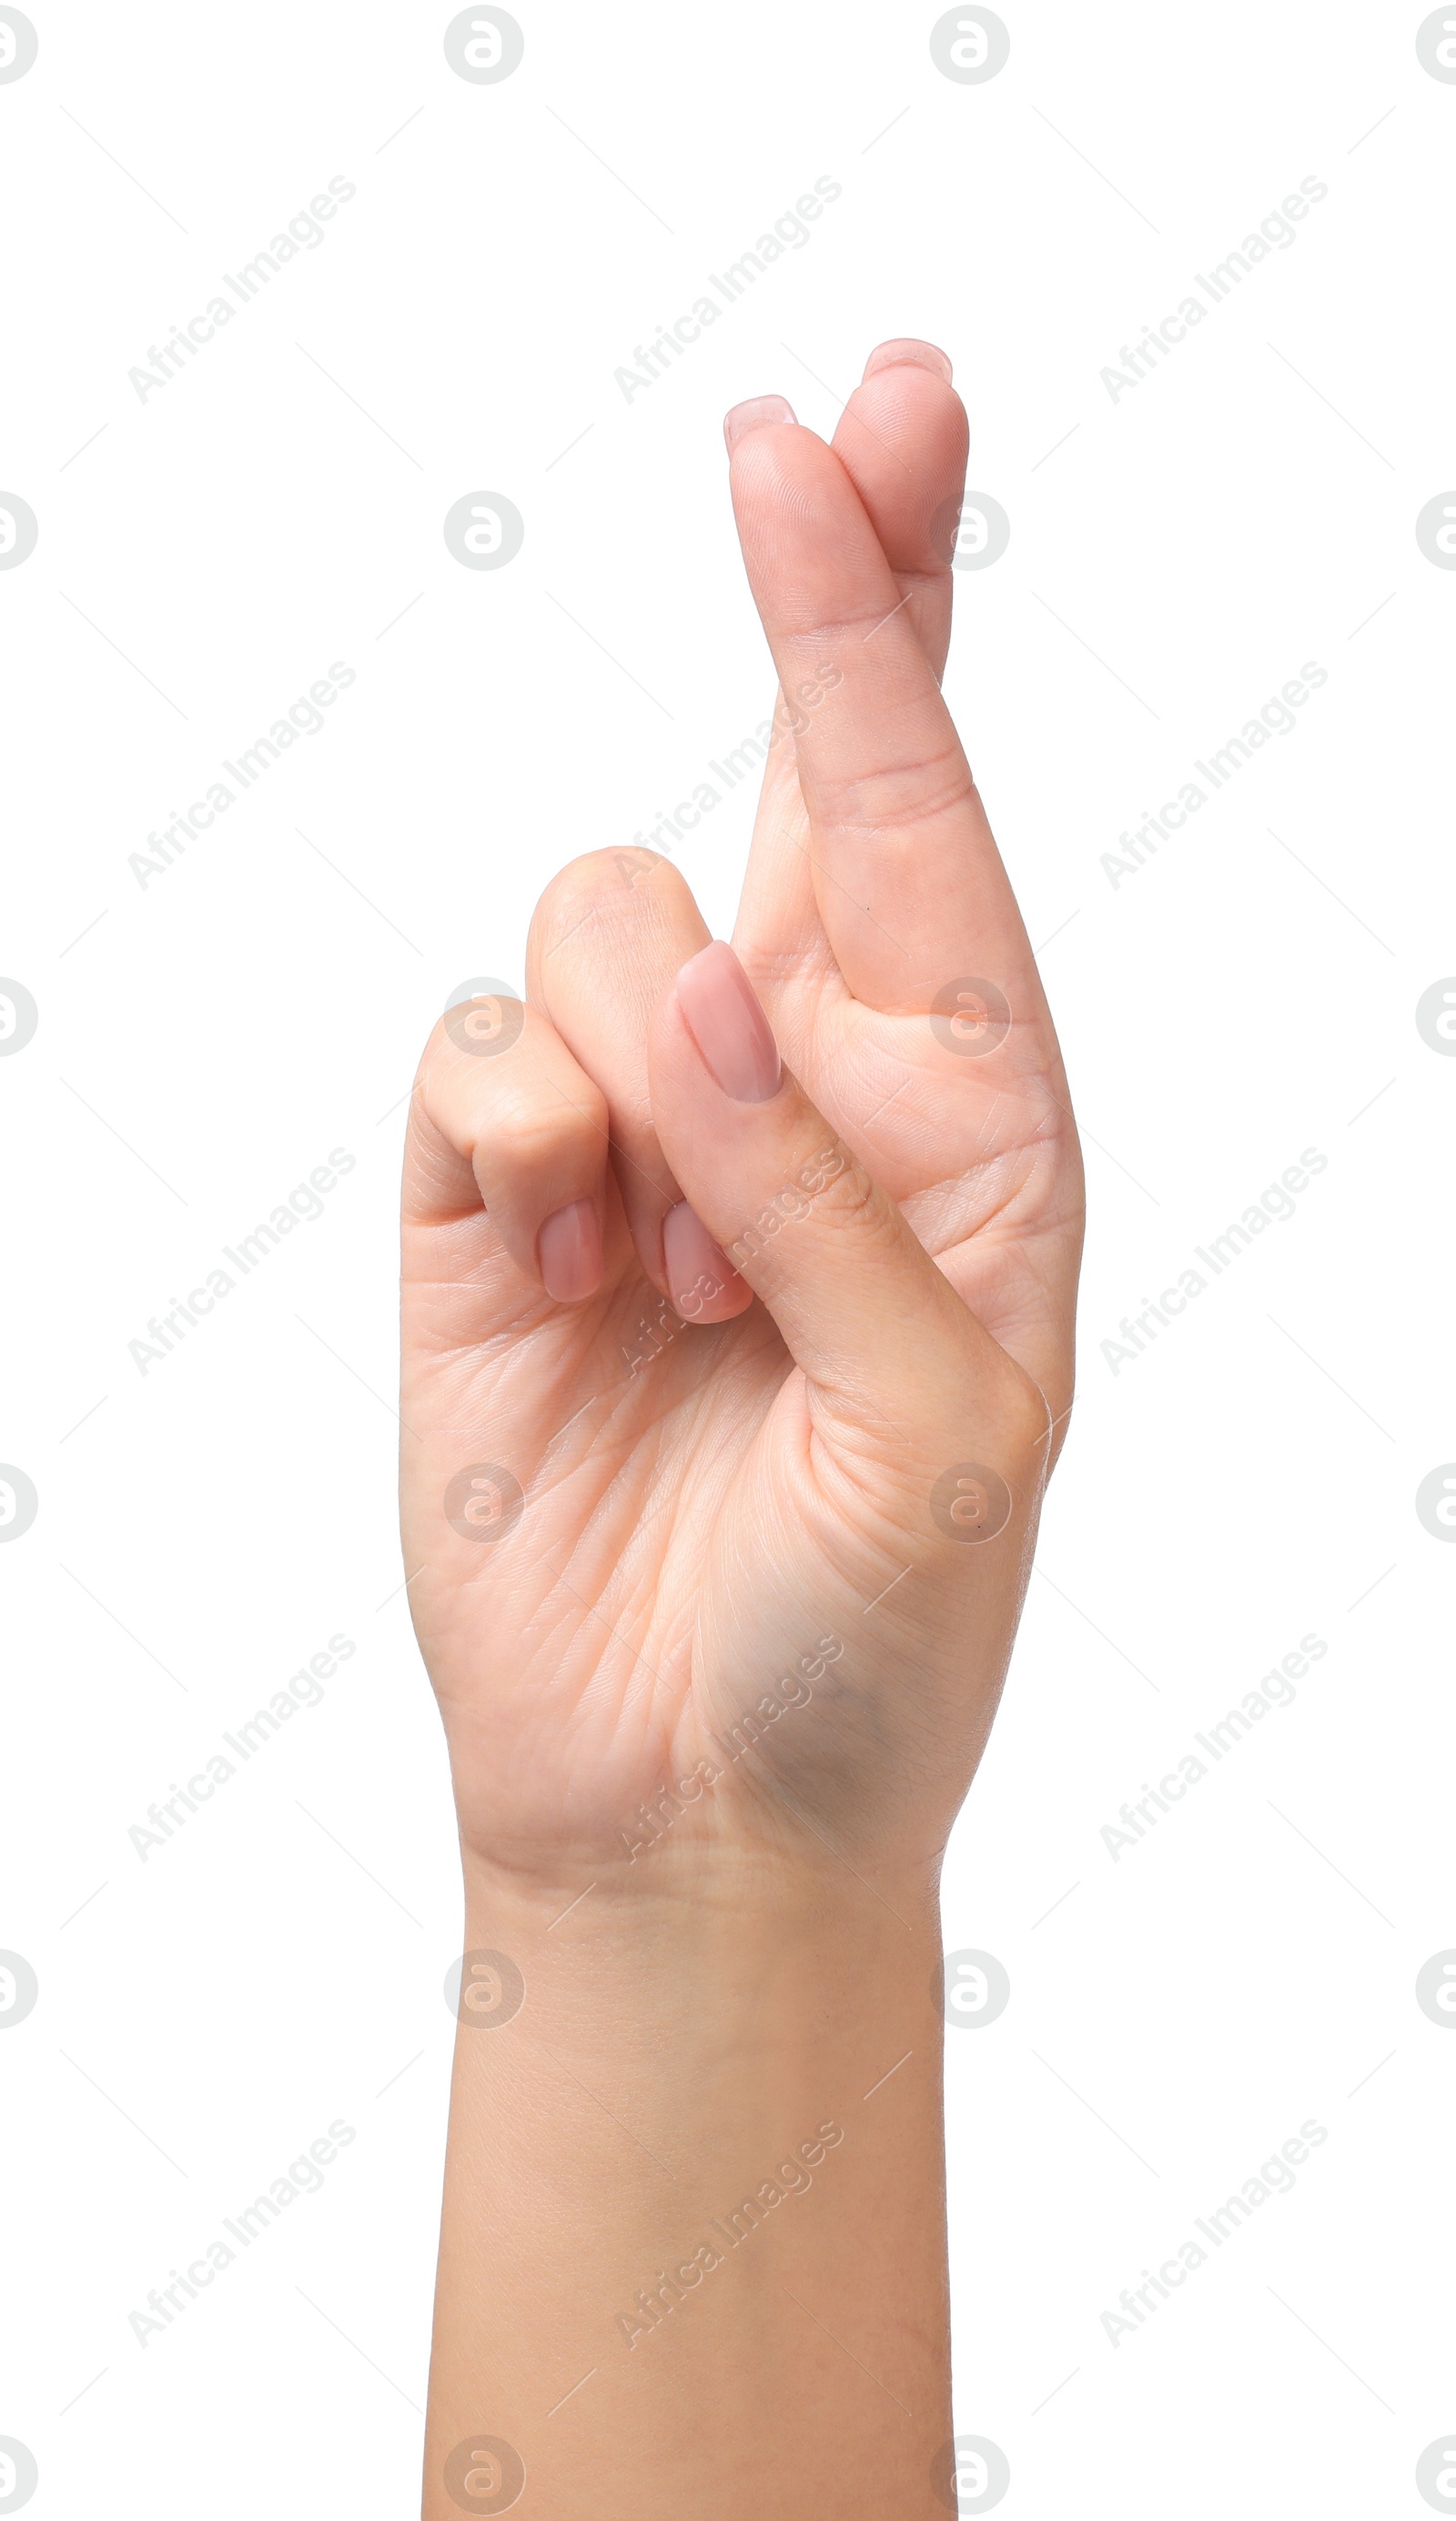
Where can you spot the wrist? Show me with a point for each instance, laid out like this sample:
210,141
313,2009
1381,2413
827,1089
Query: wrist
744,2060
744,1919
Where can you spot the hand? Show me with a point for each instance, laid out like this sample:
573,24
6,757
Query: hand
726,1333
738,1342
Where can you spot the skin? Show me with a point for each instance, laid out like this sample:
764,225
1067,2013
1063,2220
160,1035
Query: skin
754,1490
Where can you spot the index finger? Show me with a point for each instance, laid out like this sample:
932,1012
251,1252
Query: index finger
908,880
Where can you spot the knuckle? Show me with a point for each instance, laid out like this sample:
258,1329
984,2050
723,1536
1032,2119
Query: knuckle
852,1200
613,884
919,790
431,1050
836,629
438,1056
529,1134
575,885
512,1112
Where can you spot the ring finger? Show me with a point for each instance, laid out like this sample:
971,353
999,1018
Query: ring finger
610,933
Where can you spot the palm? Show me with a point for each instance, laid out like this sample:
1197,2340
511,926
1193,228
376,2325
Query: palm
697,1521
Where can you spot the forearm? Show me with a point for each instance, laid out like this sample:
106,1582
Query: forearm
703,2164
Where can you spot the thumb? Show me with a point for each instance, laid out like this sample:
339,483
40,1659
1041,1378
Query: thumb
877,1328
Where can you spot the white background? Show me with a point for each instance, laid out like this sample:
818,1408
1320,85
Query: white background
206,1039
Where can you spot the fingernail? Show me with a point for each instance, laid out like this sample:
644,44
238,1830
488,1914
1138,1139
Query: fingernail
699,1270
728,1025
569,1249
908,354
756,414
